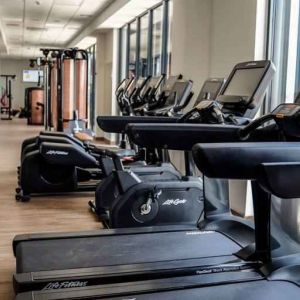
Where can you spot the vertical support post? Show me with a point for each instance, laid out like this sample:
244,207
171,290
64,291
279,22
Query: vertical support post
150,44
127,50
9,99
138,42
261,249
188,161
47,104
165,34
262,212
59,93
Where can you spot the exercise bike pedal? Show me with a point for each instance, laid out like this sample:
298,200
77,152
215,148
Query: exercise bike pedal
92,206
22,198
103,217
25,198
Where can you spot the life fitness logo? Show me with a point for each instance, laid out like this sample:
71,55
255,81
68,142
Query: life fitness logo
55,152
65,285
174,202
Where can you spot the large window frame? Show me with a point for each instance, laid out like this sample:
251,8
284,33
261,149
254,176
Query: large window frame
92,85
164,68
283,48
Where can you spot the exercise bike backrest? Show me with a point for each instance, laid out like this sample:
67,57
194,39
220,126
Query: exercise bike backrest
239,99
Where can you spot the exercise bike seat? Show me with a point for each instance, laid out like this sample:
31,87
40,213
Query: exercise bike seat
83,137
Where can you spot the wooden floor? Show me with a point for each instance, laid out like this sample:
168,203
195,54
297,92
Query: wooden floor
43,214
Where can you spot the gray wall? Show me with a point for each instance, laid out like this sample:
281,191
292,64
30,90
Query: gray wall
104,96
208,38
190,38
14,66
233,26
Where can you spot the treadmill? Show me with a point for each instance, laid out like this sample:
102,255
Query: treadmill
254,273
110,256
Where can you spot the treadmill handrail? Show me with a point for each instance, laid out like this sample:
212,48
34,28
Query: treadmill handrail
275,165
180,136
117,124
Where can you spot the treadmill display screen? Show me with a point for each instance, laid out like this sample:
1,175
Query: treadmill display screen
211,87
176,93
153,81
170,83
244,82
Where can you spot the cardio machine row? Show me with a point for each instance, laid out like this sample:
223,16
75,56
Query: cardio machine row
88,168
217,255
143,192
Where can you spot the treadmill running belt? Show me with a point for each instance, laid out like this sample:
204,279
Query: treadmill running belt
84,252
257,290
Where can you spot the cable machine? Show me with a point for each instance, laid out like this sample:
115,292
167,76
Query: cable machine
73,95
8,94
65,82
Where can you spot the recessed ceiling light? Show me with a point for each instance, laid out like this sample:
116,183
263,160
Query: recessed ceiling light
84,16
12,25
31,28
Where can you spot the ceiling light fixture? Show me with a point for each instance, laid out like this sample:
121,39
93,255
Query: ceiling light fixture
128,12
84,16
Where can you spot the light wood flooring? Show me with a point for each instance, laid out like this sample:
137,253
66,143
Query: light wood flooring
41,214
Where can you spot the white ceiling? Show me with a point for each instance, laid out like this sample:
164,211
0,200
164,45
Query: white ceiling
27,25
129,11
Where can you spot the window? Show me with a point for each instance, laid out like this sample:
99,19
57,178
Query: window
143,60
123,53
169,51
157,40
284,51
92,85
132,48
145,47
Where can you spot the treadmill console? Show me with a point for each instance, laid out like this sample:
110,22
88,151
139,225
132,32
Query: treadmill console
286,110
180,91
151,86
286,117
169,83
210,89
246,86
